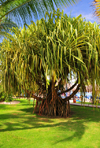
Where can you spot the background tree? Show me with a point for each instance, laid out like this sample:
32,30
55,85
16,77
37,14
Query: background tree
96,4
57,46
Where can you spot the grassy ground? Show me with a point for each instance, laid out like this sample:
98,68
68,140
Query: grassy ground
20,128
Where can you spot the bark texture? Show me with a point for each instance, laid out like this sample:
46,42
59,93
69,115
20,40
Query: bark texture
53,104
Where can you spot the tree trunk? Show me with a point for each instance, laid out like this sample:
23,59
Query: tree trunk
54,105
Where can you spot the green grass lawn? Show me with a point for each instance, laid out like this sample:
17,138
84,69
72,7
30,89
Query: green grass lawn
20,128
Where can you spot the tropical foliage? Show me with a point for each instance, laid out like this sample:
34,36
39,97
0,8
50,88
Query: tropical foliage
5,25
27,9
57,46
97,7
5,97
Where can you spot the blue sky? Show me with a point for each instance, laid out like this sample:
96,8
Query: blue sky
83,7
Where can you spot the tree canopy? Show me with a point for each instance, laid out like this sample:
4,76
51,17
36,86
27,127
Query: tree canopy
26,10
57,46
14,12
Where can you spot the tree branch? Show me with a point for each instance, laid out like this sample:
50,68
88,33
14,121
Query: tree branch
72,95
68,89
37,98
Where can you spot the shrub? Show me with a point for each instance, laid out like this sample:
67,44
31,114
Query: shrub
2,96
5,97
8,98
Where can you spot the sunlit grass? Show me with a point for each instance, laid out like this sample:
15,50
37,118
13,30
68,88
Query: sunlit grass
20,128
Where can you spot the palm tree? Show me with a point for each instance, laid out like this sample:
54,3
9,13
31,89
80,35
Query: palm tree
27,9
5,25
96,4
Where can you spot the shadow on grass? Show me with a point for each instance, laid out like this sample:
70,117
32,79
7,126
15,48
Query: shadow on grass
25,119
